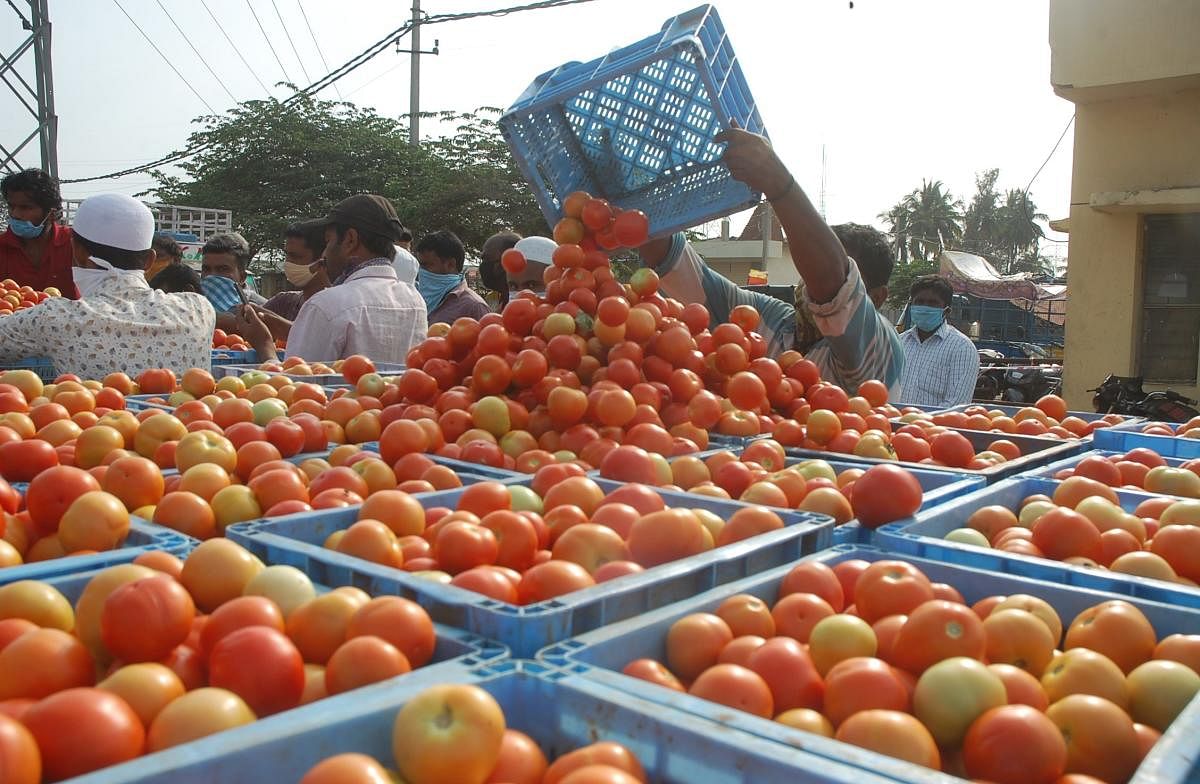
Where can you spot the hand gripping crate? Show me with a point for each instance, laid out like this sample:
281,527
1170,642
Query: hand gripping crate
636,127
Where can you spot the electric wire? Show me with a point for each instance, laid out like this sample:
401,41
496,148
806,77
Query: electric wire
292,43
188,41
171,65
313,35
267,38
234,46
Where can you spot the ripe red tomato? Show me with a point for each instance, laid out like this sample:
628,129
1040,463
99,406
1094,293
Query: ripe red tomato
361,661
952,449
145,620
884,494
20,761
261,666
53,491
82,730
1014,744
890,588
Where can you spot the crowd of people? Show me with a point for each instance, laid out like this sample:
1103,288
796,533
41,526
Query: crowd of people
359,286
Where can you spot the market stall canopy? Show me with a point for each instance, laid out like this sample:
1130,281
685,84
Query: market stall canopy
974,275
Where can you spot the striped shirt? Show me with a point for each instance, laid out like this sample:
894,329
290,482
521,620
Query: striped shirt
939,371
859,343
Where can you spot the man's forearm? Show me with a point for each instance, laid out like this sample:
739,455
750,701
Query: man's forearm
816,251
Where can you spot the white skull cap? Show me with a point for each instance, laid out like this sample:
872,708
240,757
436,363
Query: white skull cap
115,220
539,249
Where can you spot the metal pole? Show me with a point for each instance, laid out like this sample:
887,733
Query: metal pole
414,105
47,119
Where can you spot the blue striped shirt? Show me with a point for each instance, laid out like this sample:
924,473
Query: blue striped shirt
939,371
859,343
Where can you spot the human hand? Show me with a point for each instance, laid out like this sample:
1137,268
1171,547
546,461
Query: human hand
751,160
252,327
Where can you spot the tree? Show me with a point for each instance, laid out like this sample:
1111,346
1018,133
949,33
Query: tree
926,221
1017,232
902,279
980,218
273,163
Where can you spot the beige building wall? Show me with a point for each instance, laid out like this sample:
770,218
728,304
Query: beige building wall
1133,71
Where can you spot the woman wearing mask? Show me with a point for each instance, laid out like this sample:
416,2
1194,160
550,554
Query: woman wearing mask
302,266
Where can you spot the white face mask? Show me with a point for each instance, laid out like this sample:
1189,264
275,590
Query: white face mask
88,280
298,274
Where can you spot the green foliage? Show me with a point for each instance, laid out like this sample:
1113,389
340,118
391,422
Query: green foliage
272,164
903,276
925,221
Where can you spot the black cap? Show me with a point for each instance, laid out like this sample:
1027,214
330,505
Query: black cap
367,212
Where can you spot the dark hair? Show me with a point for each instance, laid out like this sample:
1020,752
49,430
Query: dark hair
176,279
870,250
405,236
233,244
490,272
376,243
118,257
41,187
165,245
935,283
445,245
311,233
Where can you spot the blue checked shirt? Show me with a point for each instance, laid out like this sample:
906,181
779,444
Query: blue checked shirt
939,371
859,343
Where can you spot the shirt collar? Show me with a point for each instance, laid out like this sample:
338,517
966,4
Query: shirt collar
939,333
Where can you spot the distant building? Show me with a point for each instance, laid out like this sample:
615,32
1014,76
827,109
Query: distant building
1133,72
736,257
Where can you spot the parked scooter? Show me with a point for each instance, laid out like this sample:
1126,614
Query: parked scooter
1124,395
1022,385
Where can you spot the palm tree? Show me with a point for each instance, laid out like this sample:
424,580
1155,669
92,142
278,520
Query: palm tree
979,219
1017,233
926,221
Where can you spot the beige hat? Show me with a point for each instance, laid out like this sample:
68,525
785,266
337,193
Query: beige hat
115,220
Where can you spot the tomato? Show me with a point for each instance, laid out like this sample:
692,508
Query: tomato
83,729
1015,744
859,684
736,687
43,661
22,461
319,627
145,620
890,588
196,715
747,614
938,630
53,491
20,760
361,661
884,494
653,671
951,694
892,733
1100,737
448,733
550,579
261,666
1116,629
348,768
789,672
604,753
796,614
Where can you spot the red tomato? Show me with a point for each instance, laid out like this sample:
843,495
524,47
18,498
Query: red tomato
143,621
348,768
20,761
43,661
890,588
884,494
261,666
10,499
21,461
361,661
82,730
53,491
240,613
1014,744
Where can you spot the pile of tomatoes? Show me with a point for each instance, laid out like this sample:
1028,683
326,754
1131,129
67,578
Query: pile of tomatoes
458,733
1139,469
1189,429
525,544
876,655
1048,418
1084,524
161,652
229,340
15,297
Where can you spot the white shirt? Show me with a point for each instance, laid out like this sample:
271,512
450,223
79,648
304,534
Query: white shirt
123,326
406,265
371,313
939,371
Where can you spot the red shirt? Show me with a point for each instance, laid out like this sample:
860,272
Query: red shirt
54,269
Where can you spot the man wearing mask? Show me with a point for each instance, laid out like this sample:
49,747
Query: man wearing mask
367,310
166,253
120,323
941,364
441,280
35,250
491,274
224,263
302,248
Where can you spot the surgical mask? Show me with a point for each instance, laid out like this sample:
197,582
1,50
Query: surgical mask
298,274
26,230
926,317
88,280
434,287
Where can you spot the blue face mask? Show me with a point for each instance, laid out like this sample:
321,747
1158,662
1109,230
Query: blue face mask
26,230
434,287
927,318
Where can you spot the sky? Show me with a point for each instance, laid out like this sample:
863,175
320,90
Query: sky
893,91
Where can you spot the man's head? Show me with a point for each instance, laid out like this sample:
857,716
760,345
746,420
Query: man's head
405,240
359,228
33,199
931,291
177,279
870,250
225,256
441,252
539,254
114,227
490,272
165,247
304,242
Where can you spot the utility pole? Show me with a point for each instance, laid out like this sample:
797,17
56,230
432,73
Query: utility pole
414,85
38,99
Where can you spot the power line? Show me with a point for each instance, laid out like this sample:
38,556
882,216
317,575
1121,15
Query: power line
234,46
192,46
296,52
1053,150
313,35
345,69
267,38
171,65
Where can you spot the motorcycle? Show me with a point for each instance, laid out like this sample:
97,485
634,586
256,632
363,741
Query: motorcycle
1022,385
1124,395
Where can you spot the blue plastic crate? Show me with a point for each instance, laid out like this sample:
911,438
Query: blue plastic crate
142,402
144,537
560,712
924,535
1119,440
325,379
221,356
637,127
1035,452
43,366
600,656
297,540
